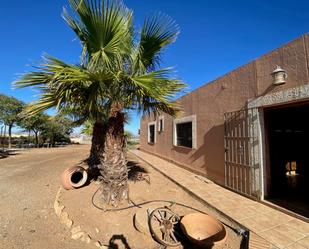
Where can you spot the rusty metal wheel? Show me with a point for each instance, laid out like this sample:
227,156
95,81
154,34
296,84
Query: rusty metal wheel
162,225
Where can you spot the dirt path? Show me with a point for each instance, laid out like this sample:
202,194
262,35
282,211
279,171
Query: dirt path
29,182
28,185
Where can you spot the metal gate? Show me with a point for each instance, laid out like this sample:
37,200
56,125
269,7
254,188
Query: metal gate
241,139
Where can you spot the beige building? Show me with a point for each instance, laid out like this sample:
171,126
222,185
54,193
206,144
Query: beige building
247,130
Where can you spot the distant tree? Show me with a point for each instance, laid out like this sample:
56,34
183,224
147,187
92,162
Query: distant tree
130,139
10,108
66,124
88,125
128,135
35,123
57,129
87,128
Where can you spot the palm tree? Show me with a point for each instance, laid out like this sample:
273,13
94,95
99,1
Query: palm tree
119,71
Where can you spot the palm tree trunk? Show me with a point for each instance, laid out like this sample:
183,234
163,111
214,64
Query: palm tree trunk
114,171
97,146
10,136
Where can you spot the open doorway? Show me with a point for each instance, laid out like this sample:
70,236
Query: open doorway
287,131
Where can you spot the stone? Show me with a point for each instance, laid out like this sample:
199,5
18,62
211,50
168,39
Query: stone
64,217
59,210
78,235
86,238
76,229
97,230
56,204
99,245
58,193
69,223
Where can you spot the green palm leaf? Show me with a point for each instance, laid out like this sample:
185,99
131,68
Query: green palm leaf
157,32
115,68
104,29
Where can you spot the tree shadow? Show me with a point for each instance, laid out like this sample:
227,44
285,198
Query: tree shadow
93,169
6,153
185,242
121,238
136,172
211,154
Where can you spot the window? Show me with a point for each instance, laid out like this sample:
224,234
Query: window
161,124
185,132
151,133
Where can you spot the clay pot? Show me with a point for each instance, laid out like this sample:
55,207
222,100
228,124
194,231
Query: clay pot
203,230
74,177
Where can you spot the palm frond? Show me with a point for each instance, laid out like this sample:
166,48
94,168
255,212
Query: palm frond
157,32
62,85
154,92
104,29
115,67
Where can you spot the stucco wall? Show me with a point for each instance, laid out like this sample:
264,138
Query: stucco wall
227,93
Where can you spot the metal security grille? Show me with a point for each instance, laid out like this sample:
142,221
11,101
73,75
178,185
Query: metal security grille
242,152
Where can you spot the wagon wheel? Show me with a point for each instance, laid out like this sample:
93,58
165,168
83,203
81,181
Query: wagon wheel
162,222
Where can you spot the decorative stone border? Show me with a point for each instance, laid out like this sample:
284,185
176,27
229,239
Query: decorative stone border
282,97
76,231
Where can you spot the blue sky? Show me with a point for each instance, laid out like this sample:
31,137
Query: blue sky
216,36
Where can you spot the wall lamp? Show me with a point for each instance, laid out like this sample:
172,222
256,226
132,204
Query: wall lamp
279,76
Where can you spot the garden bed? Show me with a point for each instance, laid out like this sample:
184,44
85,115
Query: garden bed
115,229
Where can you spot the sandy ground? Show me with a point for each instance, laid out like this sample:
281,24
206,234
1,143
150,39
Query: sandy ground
28,185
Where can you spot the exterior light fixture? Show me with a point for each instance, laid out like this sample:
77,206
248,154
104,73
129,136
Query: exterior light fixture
279,75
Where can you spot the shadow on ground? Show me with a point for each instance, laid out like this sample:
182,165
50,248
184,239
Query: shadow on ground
136,172
122,239
7,153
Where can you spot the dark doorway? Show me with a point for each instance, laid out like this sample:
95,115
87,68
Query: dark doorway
287,129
